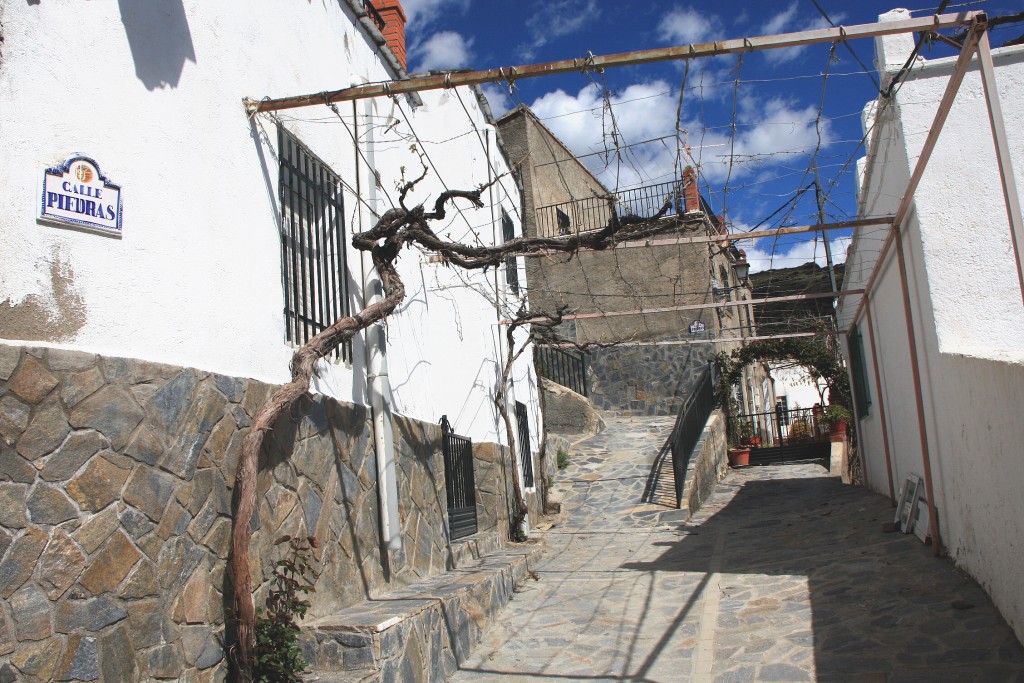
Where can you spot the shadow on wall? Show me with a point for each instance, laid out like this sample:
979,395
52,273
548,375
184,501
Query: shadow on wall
159,39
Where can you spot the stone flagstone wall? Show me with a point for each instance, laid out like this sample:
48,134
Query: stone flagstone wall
115,502
645,380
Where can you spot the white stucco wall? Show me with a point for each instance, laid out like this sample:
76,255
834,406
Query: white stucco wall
796,385
154,93
968,315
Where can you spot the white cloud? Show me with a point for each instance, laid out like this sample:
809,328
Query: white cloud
786,22
769,132
642,111
420,13
443,50
764,256
685,25
552,20
498,98
781,21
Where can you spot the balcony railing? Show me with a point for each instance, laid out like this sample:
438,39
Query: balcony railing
563,367
374,15
594,213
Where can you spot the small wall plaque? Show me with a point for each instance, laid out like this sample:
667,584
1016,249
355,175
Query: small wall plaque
76,193
697,326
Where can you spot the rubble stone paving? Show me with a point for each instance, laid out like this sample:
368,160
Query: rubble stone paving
785,574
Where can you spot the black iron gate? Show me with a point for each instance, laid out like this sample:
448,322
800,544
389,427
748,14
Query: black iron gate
524,445
459,483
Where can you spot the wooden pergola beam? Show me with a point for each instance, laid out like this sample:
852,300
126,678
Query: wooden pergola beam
451,79
688,342
696,307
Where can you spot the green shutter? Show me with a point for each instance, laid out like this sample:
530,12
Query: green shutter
861,388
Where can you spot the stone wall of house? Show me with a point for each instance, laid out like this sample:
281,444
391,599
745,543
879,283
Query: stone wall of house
492,468
645,380
115,500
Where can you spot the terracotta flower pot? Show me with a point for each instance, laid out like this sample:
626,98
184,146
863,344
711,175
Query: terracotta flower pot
739,457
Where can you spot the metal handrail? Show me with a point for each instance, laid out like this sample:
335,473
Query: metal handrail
693,416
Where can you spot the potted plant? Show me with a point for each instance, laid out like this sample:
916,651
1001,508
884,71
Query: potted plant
837,417
745,430
739,456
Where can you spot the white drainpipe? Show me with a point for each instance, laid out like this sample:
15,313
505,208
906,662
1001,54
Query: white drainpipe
378,384
499,302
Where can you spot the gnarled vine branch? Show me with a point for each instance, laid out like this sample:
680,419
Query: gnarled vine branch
396,228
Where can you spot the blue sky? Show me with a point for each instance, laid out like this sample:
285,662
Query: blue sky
774,97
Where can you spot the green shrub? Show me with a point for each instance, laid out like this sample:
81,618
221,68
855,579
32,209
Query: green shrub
563,459
799,431
278,655
836,413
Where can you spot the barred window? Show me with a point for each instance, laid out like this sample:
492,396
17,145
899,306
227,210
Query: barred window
313,265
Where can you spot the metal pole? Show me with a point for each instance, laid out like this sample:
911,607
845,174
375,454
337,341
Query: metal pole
881,403
915,368
451,79
995,117
820,197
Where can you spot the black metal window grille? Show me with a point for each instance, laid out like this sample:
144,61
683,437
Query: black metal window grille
861,388
524,445
312,243
511,265
375,16
568,368
459,482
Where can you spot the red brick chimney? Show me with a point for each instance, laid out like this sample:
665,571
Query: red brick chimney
394,26
690,193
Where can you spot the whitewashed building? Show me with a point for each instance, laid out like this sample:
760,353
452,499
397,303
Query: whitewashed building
966,310
163,253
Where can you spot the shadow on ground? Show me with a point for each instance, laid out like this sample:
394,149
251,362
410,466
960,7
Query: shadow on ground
784,575
809,587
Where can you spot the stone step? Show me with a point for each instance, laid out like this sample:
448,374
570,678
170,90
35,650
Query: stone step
466,551
420,632
339,677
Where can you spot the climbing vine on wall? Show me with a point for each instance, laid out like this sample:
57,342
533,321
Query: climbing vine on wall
817,354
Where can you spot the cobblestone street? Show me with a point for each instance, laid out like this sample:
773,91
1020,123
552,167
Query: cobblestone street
784,575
